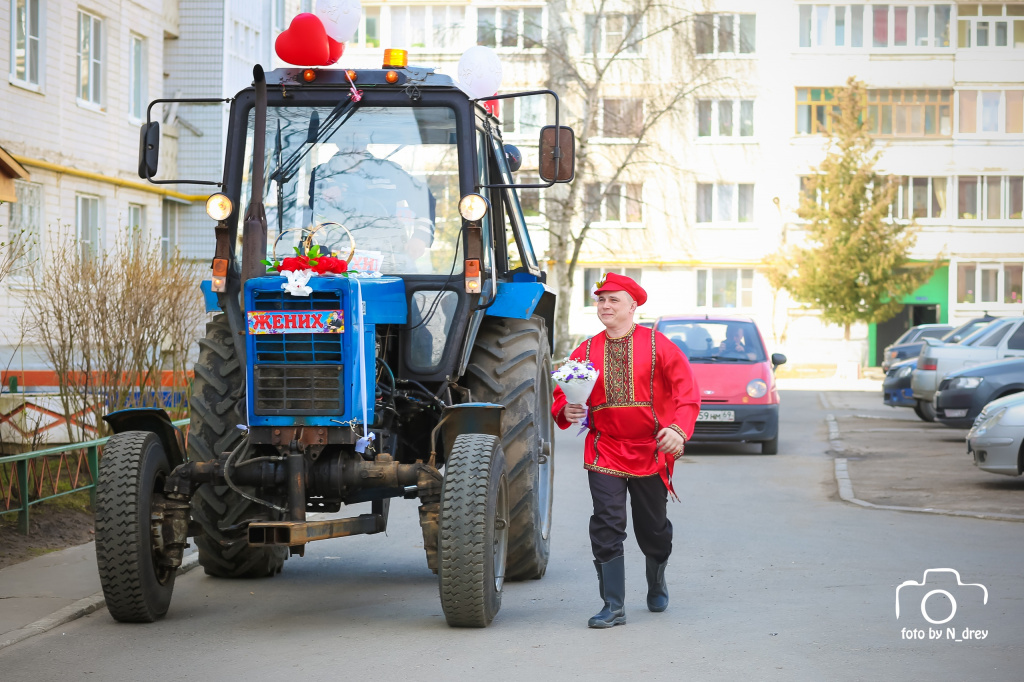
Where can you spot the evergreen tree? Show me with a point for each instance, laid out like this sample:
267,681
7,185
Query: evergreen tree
854,265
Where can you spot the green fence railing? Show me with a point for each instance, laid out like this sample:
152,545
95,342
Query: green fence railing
41,475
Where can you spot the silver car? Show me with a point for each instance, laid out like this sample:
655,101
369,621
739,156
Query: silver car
996,437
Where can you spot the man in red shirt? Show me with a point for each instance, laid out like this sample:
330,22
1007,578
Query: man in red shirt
640,415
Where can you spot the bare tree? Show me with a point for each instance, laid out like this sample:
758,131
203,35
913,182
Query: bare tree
626,72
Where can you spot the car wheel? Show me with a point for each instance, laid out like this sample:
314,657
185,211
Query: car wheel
926,411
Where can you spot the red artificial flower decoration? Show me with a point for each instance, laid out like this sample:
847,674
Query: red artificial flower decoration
326,264
295,263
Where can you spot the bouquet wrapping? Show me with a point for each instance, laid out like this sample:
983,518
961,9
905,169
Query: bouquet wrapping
577,381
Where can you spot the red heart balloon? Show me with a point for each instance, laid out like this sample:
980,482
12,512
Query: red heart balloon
336,49
304,42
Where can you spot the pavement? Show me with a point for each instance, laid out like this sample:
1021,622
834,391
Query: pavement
885,458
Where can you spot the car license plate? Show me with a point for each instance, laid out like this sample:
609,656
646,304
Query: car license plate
716,416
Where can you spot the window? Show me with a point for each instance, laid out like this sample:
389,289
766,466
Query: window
26,41
813,109
509,27
991,111
136,77
592,276
725,118
438,27
279,17
622,117
523,115
990,197
169,231
529,199
920,198
910,113
620,203
136,218
612,34
989,282
725,33
87,225
368,31
725,288
889,26
725,203
992,25
26,225
90,54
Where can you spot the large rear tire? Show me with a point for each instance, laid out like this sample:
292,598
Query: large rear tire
473,544
217,408
511,365
131,477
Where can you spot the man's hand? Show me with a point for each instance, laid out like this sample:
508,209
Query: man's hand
670,442
574,412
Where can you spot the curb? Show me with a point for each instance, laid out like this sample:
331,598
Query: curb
842,474
80,608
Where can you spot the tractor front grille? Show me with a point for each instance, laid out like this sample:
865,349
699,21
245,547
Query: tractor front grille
318,348
311,390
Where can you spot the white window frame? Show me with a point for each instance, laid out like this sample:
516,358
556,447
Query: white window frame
592,275
518,125
709,294
980,110
623,198
25,221
973,27
983,190
360,39
401,14
904,201
734,49
137,218
979,268
39,37
94,60
737,120
170,225
596,25
735,204
88,219
138,68
604,124
827,40
499,11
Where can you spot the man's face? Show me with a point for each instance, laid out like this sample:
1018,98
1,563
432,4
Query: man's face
615,308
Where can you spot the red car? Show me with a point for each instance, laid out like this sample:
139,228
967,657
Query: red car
739,399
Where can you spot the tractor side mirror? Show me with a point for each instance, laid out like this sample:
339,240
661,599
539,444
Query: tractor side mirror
778,359
149,149
562,142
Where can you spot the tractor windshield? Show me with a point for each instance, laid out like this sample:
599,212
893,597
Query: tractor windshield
389,175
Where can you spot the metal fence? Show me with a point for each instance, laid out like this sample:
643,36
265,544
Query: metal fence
34,477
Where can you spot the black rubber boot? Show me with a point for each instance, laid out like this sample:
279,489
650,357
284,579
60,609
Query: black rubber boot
611,580
657,589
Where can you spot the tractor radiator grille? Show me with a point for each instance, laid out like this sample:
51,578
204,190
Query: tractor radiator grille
297,347
311,390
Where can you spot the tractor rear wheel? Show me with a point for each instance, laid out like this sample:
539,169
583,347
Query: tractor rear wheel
217,407
473,544
511,365
137,589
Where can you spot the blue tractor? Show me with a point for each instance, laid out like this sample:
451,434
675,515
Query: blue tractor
421,372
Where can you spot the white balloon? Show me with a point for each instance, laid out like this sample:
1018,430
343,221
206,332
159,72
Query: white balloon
340,18
479,72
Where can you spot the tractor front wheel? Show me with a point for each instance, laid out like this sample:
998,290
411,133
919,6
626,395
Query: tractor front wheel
133,469
474,523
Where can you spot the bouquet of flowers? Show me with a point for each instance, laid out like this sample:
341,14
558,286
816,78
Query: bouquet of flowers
577,380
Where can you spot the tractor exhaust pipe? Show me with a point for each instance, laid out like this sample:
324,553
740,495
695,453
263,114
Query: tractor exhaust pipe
254,227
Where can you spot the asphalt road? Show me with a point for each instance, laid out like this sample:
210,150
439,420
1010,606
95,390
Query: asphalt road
773,578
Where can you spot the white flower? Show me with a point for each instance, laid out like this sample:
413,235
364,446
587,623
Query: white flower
297,280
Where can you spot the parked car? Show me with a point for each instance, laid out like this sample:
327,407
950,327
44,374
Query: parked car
963,394
739,399
910,343
995,440
896,390
937,359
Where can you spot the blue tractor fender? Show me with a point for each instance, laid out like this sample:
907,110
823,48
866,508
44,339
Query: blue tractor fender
151,419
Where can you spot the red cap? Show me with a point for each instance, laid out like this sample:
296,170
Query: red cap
614,282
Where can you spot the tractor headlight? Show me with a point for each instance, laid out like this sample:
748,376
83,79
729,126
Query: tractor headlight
757,388
218,207
473,207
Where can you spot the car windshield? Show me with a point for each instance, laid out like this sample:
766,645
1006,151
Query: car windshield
934,332
389,175
966,330
715,340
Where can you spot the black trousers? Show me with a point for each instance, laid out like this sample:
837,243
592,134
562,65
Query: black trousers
648,498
